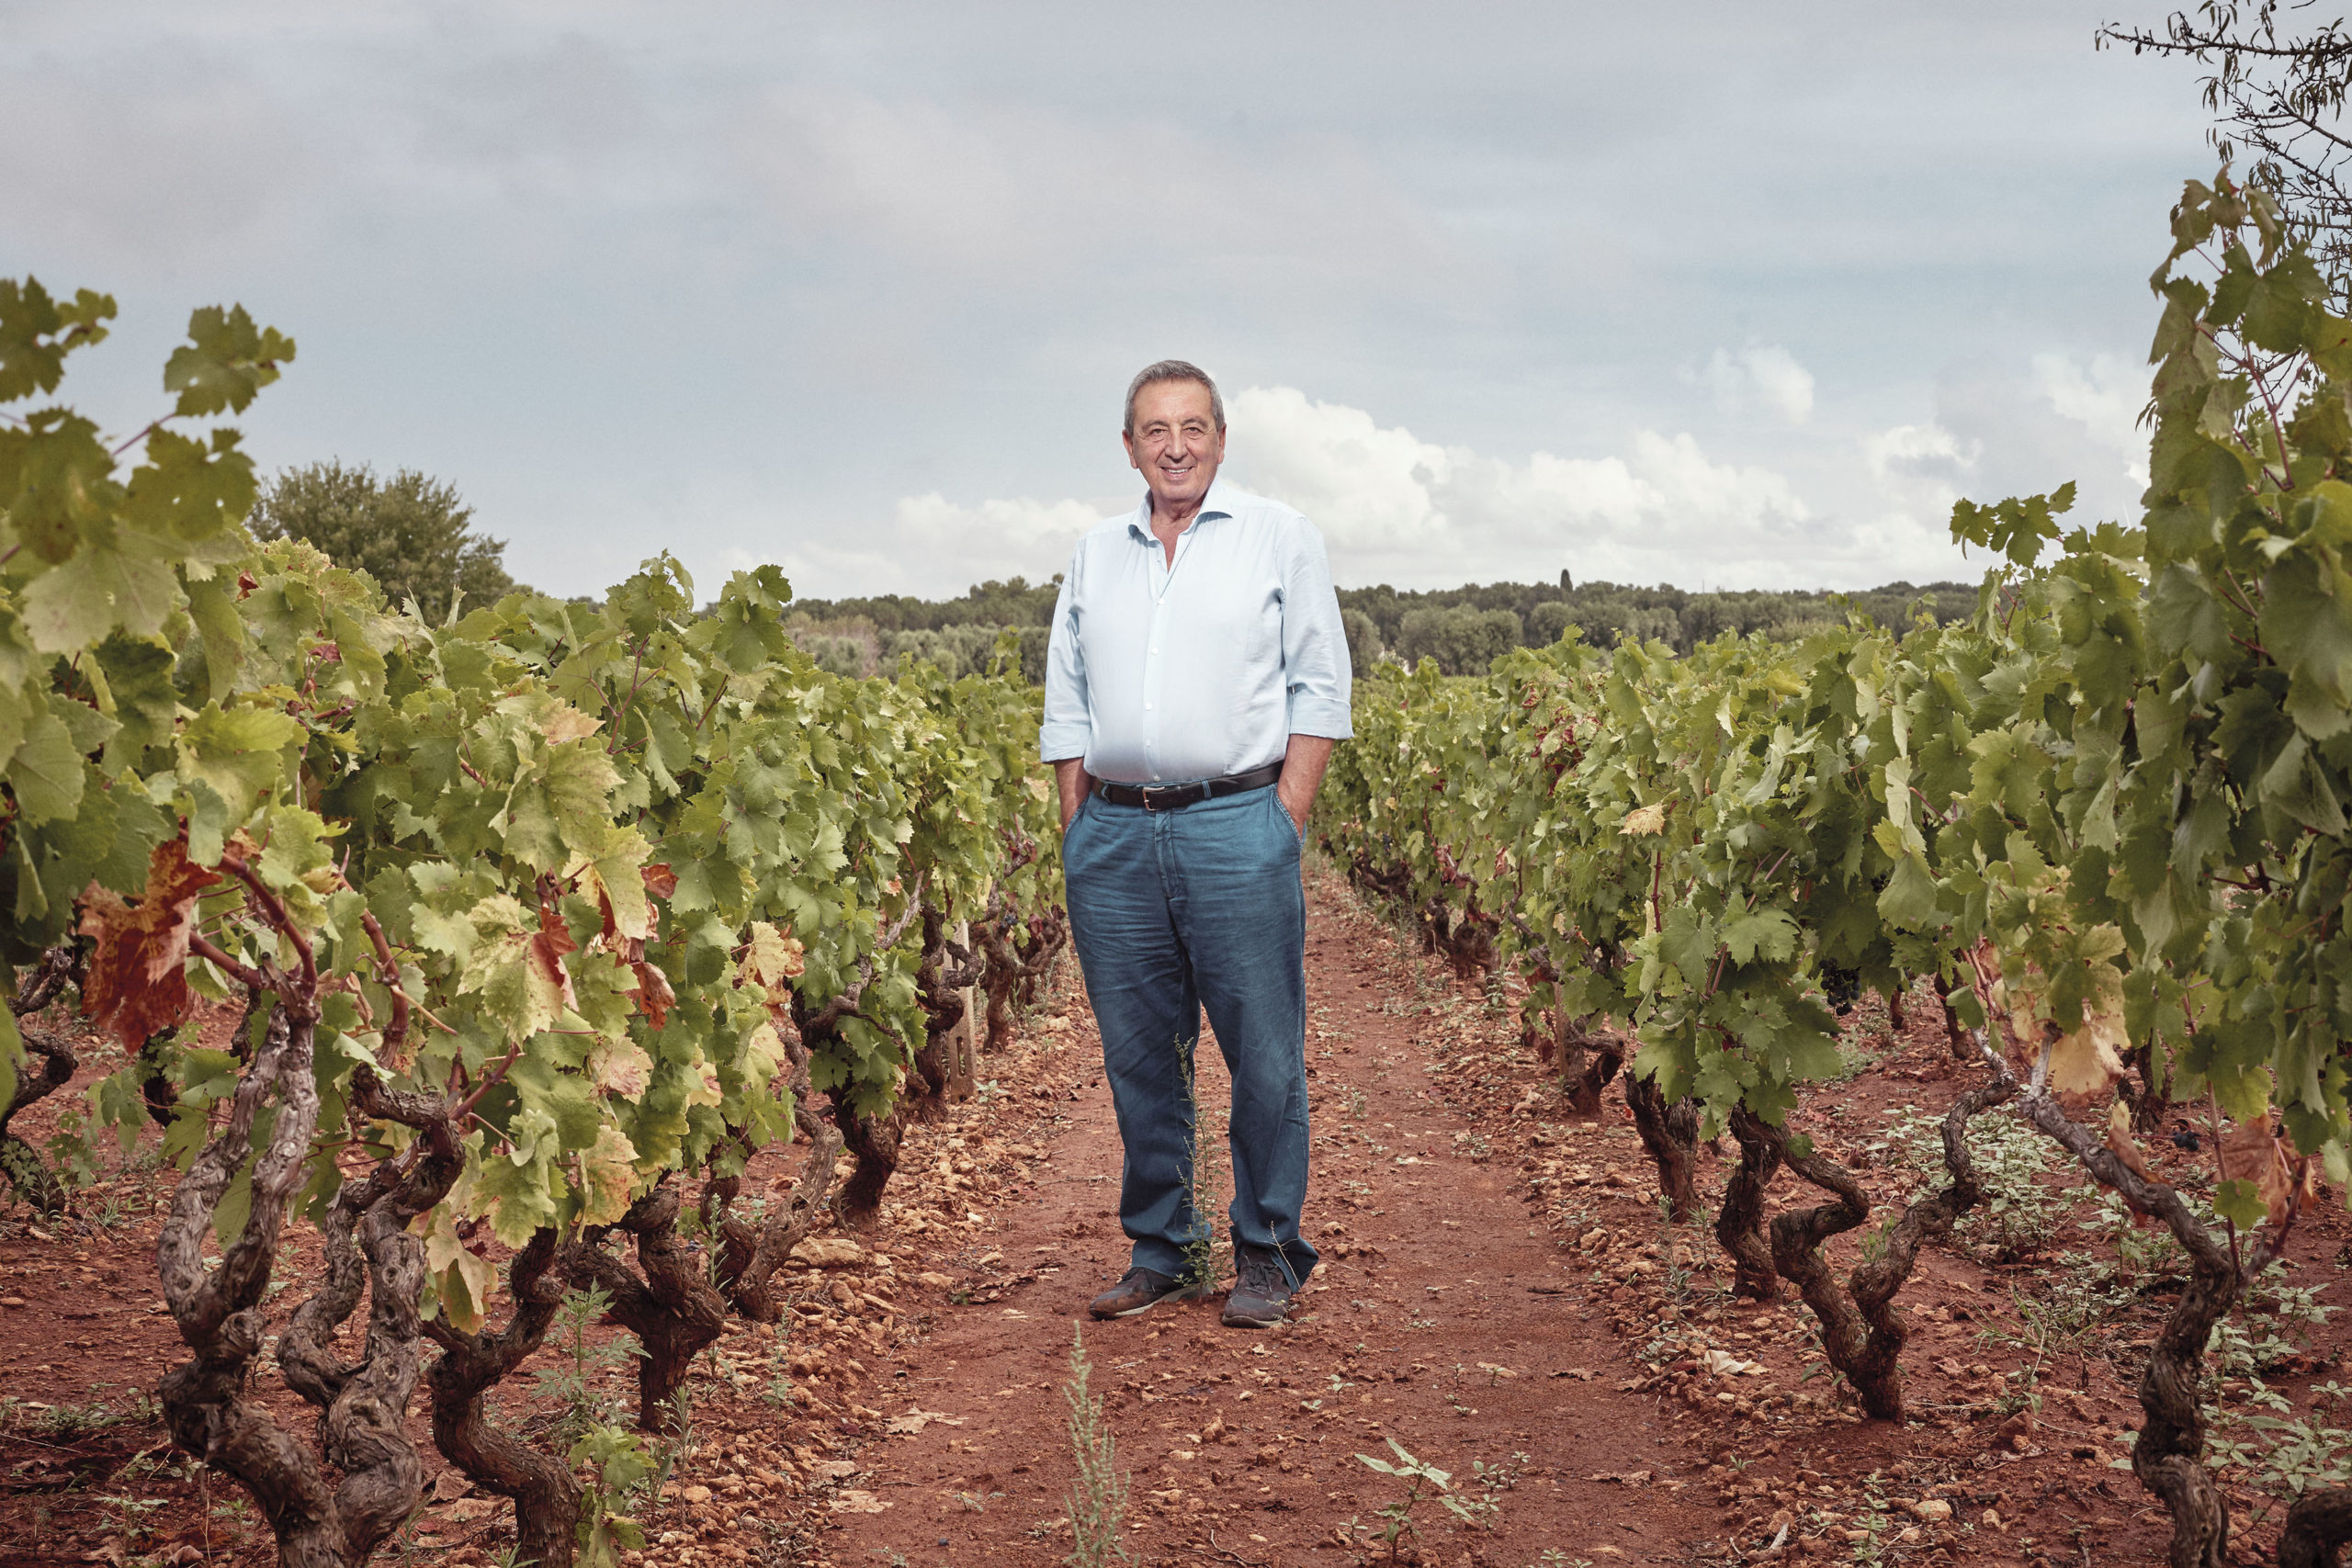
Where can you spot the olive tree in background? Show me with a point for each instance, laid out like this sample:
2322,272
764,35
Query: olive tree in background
410,533
1464,641
1364,640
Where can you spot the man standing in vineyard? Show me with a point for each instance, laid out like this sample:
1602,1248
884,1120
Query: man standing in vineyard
1196,680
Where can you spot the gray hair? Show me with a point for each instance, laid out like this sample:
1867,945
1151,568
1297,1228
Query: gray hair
1172,370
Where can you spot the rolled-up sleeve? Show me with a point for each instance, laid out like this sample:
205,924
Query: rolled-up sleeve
1067,730
1314,644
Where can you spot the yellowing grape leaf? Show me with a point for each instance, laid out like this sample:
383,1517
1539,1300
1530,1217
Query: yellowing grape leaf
545,950
518,970
564,722
463,1280
766,1045
137,981
1644,819
619,1066
609,1176
2086,1063
613,869
771,959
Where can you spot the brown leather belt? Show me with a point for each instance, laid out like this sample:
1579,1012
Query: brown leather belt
1171,797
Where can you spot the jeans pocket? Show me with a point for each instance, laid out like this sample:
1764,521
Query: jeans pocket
1297,834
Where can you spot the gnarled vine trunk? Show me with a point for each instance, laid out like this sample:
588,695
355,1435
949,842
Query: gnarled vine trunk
207,1401
1860,1331
947,970
1739,1224
1955,1036
2317,1528
1048,935
2149,1102
547,1496
1587,1060
34,1184
1394,884
1671,1134
873,1139
748,1256
666,1301
872,1145
2167,1458
363,1406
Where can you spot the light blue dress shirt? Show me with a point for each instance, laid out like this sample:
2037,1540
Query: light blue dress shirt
1163,673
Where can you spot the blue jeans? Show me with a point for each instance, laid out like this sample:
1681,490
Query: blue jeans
1174,911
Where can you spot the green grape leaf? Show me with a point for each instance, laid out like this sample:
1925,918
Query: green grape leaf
106,586
37,333
47,772
224,363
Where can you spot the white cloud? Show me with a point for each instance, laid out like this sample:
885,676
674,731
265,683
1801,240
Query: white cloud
2105,397
1366,488
1761,376
1393,506
1911,454
1020,531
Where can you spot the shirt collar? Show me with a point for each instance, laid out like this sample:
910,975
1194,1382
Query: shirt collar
1216,503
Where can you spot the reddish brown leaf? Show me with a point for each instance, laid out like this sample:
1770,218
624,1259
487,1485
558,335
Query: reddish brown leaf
2251,1152
137,984
659,880
653,993
2120,1143
547,950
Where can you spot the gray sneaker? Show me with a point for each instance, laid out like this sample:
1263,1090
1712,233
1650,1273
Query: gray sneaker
1141,1289
1260,1297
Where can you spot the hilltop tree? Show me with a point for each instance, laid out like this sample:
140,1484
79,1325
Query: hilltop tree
410,533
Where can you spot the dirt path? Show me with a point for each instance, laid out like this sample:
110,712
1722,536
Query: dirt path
1443,1319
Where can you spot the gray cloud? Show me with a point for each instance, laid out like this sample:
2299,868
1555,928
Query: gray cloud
1722,292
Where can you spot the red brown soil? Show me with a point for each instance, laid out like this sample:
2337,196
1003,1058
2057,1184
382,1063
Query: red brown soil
1443,1319
1499,1287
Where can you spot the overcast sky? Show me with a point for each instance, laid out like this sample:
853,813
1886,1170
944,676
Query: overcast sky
1724,296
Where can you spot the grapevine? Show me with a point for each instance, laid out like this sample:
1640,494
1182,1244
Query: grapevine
2105,816
544,920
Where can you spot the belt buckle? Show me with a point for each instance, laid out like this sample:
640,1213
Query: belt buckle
1151,797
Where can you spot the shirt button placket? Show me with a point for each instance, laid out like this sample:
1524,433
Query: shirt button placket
1151,680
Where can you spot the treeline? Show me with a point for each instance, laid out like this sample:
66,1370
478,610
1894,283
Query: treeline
857,637
1465,629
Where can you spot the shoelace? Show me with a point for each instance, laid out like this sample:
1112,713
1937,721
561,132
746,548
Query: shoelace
1262,1276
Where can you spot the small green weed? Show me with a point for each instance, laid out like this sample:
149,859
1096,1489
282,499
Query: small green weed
2017,1216
1423,1481
1098,1497
573,1382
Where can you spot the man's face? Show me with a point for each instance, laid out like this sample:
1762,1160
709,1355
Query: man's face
1175,444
